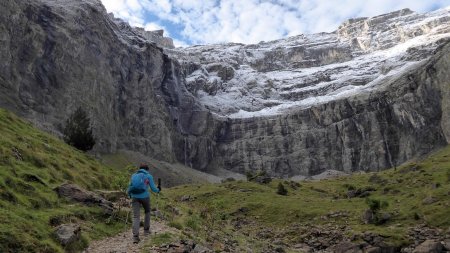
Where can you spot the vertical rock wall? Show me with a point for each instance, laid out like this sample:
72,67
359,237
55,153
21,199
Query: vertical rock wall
405,118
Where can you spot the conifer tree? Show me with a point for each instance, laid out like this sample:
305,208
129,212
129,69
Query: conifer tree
78,131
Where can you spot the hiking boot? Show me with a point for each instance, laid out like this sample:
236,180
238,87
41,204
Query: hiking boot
147,232
136,240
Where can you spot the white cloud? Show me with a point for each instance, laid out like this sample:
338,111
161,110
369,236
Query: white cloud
152,26
179,43
129,10
250,21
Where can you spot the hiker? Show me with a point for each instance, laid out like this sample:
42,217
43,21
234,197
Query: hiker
138,191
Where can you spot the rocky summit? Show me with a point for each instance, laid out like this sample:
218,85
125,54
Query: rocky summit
368,96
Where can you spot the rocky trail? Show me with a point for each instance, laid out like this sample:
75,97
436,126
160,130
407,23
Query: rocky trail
123,243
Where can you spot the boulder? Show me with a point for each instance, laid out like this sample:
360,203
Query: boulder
446,244
185,198
429,200
372,250
263,179
112,196
67,233
364,194
157,214
303,248
347,247
352,194
383,218
368,216
429,246
387,248
78,194
200,249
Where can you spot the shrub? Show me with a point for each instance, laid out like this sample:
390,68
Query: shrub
78,132
176,225
376,204
193,222
350,187
260,176
249,176
379,217
281,189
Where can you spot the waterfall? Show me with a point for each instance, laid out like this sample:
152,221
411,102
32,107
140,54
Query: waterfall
174,76
185,152
388,151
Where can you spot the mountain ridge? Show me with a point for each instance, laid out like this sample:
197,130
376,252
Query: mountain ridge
270,77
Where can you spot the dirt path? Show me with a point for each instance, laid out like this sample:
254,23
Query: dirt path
122,243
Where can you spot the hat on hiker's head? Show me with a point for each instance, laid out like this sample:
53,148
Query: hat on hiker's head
144,166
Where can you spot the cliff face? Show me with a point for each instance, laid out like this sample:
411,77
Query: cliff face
404,118
366,97
58,55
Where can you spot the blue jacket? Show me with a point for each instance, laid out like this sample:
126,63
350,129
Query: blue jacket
150,184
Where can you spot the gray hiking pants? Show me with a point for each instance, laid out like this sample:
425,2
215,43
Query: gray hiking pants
136,205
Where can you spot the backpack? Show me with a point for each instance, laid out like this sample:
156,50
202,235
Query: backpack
139,183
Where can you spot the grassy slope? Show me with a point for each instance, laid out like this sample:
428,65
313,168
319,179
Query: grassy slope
403,189
32,163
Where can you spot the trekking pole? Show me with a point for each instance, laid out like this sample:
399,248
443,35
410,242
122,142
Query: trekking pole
128,214
157,208
157,195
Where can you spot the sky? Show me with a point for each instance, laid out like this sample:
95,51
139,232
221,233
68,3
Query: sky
194,22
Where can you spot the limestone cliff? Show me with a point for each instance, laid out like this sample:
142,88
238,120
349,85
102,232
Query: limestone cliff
58,55
368,96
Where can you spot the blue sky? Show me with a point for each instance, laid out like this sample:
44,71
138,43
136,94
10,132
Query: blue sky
192,22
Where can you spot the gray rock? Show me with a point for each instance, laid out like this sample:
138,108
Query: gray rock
352,193
263,179
429,246
372,250
386,248
368,216
364,194
112,196
347,247
446,244
429,200
303,248
185,198
201,249
383,217
279,249
67,233
78,194
157,213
